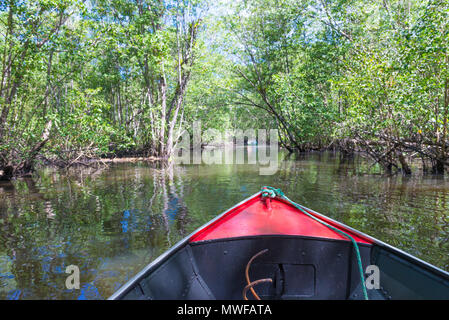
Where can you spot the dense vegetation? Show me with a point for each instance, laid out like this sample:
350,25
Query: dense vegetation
88,79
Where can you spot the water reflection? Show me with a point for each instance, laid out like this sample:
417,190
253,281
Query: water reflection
112,222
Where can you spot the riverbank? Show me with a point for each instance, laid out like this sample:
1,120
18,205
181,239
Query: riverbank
407,162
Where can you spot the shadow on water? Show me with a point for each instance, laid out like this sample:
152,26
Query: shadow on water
114,221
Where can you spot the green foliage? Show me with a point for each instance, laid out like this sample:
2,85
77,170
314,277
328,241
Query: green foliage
91,79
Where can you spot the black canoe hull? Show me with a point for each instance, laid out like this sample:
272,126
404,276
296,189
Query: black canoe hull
300,267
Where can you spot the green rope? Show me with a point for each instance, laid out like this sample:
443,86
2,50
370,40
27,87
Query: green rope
271,192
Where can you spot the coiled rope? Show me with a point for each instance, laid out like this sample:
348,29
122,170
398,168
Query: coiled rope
270,192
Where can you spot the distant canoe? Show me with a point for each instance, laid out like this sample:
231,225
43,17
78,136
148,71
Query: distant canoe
266,248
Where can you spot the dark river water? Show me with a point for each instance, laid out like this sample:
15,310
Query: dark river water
111,222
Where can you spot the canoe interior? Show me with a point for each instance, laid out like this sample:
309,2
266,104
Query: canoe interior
300,267
304,258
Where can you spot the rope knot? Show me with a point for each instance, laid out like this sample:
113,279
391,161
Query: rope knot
271,192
